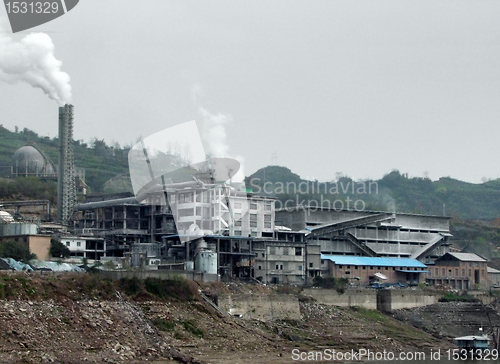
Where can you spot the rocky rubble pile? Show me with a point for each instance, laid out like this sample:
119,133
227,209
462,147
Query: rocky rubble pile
74,332
451,319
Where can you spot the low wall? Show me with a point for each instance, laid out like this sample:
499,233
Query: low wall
261,307
392,299
485,297
141,274
384,300
366,298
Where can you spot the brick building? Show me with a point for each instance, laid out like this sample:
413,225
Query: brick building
459,271
366,269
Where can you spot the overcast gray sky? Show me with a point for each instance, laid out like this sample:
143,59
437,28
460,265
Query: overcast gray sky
358,87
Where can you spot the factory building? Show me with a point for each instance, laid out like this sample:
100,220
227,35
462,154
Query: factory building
226,218
286,262
365,270
24,233
244,236
459,271
85,247
369,233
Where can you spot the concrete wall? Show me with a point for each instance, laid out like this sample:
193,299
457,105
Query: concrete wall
396,299
261,307
40,245
384,300
160,274
366,298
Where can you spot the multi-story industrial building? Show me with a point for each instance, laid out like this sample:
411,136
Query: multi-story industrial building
459,271
247,236
370,233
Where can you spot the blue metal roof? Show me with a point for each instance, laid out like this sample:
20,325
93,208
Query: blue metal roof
373,261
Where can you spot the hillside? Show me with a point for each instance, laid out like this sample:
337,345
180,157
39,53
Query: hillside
79,318
101,162
474,208
394,192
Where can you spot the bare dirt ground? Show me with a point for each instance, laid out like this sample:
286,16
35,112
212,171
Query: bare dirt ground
71,318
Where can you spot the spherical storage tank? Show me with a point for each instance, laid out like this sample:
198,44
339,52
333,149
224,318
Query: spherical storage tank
28,161
206,262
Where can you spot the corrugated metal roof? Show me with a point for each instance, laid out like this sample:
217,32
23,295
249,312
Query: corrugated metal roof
373,261
467,257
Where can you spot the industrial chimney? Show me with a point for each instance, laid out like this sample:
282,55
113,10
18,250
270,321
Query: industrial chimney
66,187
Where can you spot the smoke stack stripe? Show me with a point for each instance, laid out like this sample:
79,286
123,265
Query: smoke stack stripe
66,187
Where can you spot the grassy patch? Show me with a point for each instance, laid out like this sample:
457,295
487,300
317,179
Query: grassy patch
179,289
164,325
191,327
372,315
454,297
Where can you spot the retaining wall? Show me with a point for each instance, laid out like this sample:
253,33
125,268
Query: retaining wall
366,298
261,307
140,274
384,300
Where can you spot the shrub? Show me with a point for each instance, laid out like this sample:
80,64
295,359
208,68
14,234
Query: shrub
16,250
180,289
130,286
58,249
454,297
339,284
190,326
164,325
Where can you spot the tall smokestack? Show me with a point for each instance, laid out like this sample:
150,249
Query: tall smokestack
66,187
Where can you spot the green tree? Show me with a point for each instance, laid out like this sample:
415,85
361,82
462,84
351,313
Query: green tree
15,250
58,249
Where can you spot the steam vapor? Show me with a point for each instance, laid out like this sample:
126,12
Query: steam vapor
32,60
214,135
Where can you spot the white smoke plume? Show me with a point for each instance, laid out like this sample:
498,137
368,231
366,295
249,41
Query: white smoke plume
214,133
215,137
32,60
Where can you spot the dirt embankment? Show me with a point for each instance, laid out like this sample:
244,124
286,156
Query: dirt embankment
77,318
452,319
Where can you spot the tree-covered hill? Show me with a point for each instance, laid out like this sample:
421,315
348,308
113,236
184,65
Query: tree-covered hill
394,192
101,162
474,208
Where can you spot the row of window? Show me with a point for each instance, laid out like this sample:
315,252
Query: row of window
280,266
204,197
449,272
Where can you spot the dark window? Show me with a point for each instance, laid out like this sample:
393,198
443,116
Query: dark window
310,265
298,251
